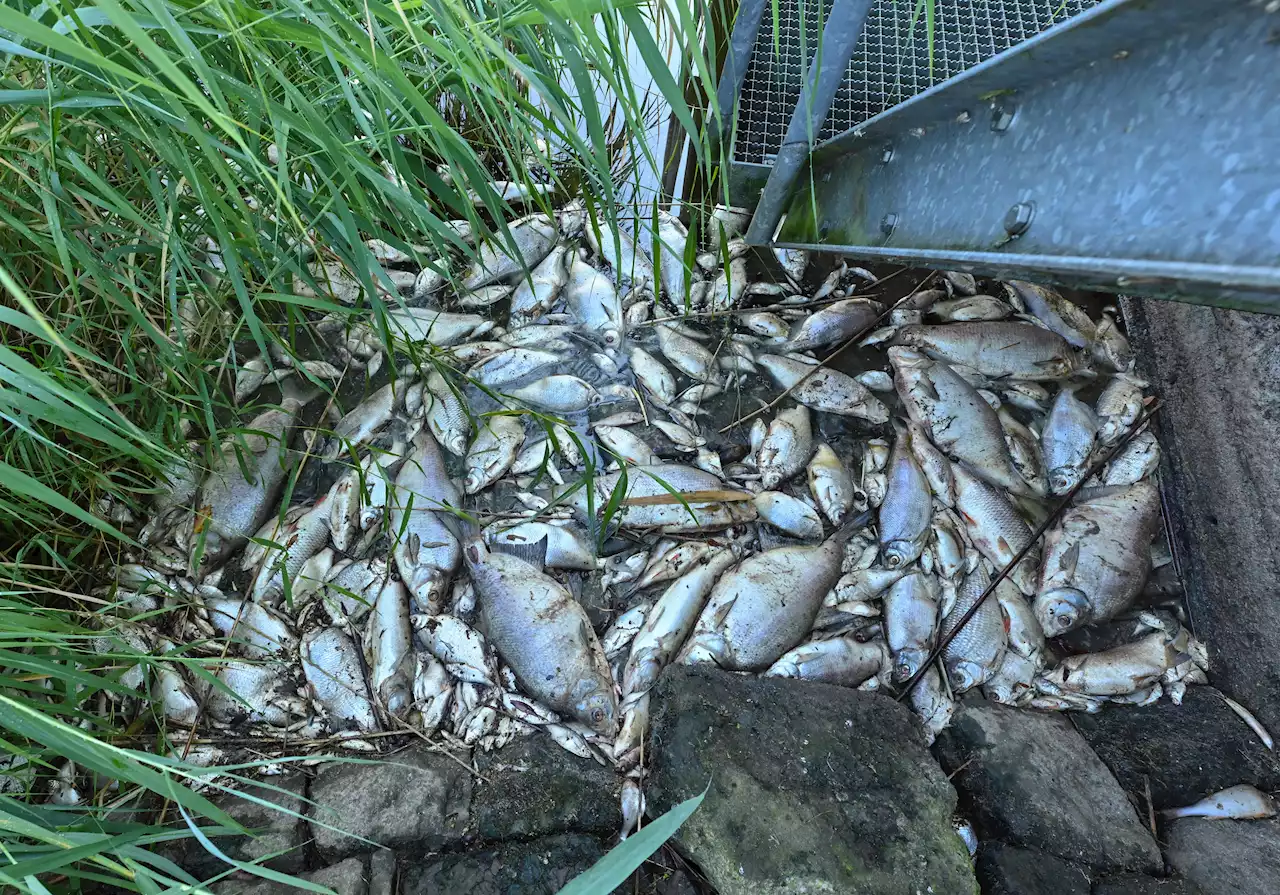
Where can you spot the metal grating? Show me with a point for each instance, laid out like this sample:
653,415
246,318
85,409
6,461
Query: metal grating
889,64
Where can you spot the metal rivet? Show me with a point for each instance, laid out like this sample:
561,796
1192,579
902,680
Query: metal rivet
1002,116
1018,218
888,224
886,155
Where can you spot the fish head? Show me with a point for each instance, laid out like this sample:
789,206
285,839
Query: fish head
596,705
900,554
907,663
1063,478
429,587
1061,609
397,698
965,675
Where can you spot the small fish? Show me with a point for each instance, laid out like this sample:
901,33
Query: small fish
1139,460
388,649
933,463
866,584
971,308
976,653
618,250
543,633
484,297
999,350
907,507
830,484
1241,802
648,502
432,693
842,661
511,366
620,635
763,323
300,540
566,546
786,448
686,355
794,262
911,623
1119,406
627,445
995,527
672,238
425,548
932,700
559,393
876,380
493,451
537,293
1110,348
836,322
789,515
446,414
255,631
1067,441
432,327
459,646
1024,451
1059,315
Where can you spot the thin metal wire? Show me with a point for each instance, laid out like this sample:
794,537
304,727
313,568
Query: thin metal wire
891,62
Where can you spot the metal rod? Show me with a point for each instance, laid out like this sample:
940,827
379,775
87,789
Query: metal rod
746,25
826,70
1093,470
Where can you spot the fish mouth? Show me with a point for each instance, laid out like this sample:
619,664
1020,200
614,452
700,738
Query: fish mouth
1061,609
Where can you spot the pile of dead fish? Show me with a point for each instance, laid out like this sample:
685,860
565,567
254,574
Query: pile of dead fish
554,496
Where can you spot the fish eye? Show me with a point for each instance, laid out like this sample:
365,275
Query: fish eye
597,715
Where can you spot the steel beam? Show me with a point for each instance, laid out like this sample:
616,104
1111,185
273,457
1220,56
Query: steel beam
1135,147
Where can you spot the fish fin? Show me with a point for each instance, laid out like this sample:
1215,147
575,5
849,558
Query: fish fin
534,552
852,526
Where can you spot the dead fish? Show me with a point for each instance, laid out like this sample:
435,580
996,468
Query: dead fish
351,587
957,420
1059,315
995,527
512,365
830,484
619,251
766,605
1097,556
484,297
1241,802
789,515
432,327
794,262
533,238
426,550
910,623
388,649
861,585
689,512
1067,441
566,546
1024,450
543,633
971,308
493,451
446,414
1119,406
975,654
786,448
331,664
672,239
906,509
262,695
235,500
559,393
1110,348
359,424
932,700
256,631
594,303
627,446
670,559
824,389
1139,460
999,350
460,647
300,540
842,661
933,463
668,623
686,355
836,322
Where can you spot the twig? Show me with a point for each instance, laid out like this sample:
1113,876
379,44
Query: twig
852,340
1039,532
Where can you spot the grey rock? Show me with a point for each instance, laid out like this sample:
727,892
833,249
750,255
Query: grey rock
382,872
1226,857
812,788
539,867
345,878
535,788
1137,884
1008,870
1185,752
1033,781
1219,426
273,830
417,800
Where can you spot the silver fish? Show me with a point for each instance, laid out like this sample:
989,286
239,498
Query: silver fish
627,446
1067,441
537,293
1119,671
1024,450
906,509
459,646
1119,406
351,587
686,355
300,540
788,514
432,327
787,446
933,463
388,649
619,635
331,664
567,546
836,322
1097,556
533,239
256,631
1137,461
233,503
619,251
932,700
484,297
999,350
668,623
866,584
672,238
1241,802
841,660
765,606
1059,315
669,560
559,393
728,289
262,695
910,623
971,308
426,550
957,420
432,693
652,375
762,323
446,415
995,527
543,633
493,451
830,484
511,366
975,654
670,517
824,389
1110,348
360,423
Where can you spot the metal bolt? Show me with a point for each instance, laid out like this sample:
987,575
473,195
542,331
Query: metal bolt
1018,218
888,224
1002,116
886,155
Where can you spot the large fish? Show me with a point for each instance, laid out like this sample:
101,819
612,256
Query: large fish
956,417
534,237
331,664
999,349
1097,557
823,388
544,634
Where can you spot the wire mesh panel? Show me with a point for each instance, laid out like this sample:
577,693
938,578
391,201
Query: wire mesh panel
892,61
